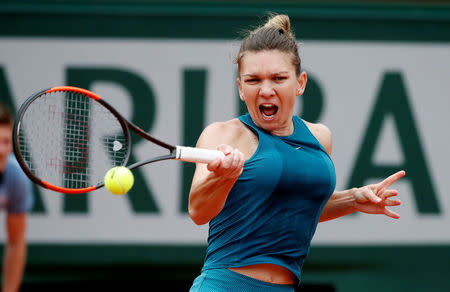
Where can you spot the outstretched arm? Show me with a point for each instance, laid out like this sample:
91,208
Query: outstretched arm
370,199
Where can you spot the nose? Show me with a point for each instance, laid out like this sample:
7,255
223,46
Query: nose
266,89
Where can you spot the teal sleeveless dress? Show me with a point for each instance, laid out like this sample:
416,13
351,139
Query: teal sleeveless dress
272,211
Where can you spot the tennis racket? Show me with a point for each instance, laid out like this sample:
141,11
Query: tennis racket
66,138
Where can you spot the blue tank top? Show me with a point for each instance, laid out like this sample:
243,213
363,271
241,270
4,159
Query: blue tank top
272,211
16,194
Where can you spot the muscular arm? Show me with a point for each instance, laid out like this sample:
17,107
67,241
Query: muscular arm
370,199
208,195
15,252
341,203
212,183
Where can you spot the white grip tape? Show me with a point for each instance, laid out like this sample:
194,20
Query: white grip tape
192,154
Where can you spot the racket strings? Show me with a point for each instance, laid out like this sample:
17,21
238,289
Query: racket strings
70,140
76,141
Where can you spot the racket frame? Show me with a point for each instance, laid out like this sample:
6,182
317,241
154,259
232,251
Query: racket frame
17,129
182,153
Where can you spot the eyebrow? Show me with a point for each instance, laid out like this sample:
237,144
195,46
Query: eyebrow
278,73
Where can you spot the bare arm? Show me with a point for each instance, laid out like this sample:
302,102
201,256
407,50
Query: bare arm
212,183
370,199
341,203
15,253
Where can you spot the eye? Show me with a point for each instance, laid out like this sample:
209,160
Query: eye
280,78
252,80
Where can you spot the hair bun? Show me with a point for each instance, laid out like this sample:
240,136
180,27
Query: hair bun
275,34
280,22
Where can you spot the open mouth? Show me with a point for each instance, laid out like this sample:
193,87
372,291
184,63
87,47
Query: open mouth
268,110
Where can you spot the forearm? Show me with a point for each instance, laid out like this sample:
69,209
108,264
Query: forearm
341,203
208,196
13,266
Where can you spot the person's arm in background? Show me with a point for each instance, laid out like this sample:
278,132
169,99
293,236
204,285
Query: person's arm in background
20,202
15,252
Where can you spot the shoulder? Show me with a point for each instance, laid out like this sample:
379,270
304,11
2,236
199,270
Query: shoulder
14,172
233,126
217,133
323,134
20,196
16,180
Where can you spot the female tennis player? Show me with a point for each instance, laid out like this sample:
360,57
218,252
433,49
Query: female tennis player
264,199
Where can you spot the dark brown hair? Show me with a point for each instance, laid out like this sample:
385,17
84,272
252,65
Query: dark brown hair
6,117
275,34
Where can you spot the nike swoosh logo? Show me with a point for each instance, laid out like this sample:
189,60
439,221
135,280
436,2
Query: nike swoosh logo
298,147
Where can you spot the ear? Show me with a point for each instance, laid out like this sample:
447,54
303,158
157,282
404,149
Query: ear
241,94
302,79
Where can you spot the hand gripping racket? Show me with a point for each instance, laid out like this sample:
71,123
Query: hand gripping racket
66,138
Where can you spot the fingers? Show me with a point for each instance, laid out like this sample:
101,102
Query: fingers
391,214
213,165
226,149
229,166
388,193
373,198
367,201
391,203
383,198
216,163
391,179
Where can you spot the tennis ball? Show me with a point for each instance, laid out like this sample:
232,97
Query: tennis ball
119,180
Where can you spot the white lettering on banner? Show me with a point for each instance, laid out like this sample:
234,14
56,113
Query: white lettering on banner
350,76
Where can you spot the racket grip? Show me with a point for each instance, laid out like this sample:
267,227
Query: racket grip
199,155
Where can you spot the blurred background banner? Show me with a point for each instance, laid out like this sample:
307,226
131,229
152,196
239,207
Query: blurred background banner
378,77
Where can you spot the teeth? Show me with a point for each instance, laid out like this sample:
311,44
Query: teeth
268,110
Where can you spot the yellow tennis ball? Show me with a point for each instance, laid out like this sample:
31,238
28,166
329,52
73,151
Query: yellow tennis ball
119,180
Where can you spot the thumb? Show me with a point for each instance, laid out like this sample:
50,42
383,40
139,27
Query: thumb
226,149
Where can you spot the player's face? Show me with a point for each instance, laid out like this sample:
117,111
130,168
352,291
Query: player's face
5,144
269,85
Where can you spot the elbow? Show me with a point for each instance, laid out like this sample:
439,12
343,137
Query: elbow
198,210
197,217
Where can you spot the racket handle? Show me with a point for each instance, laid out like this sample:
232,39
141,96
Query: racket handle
192,154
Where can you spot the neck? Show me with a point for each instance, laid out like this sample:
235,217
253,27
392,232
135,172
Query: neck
285,130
